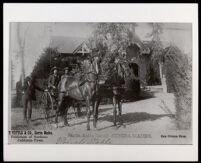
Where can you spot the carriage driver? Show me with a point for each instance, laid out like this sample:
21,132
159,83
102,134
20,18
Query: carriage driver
66,75
66,72
53,81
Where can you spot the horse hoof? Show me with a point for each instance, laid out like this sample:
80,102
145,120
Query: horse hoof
88,128
94,124
120,123
54,125
66,124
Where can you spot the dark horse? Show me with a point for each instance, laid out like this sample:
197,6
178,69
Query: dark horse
71,88
92,91
113,87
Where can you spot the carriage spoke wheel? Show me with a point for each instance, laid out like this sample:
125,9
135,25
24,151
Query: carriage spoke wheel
47,106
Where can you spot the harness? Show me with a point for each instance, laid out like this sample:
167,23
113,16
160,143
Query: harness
86,79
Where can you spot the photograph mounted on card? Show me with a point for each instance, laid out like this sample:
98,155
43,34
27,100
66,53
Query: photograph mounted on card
106,82
100,83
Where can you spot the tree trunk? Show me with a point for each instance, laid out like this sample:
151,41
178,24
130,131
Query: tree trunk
163,78
21,52
22,66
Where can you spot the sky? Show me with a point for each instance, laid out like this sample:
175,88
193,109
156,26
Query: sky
37,36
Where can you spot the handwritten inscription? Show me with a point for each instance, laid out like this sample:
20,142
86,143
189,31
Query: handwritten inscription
76,138
66,140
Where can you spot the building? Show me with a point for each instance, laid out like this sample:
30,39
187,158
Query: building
138,53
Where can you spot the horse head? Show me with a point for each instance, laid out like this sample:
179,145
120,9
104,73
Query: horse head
92,65
96,65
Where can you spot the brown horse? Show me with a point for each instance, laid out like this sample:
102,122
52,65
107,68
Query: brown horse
71,88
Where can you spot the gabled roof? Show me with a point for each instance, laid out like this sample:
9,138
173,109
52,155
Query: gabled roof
82,48
66,44
72,45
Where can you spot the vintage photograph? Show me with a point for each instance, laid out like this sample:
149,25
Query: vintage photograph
118,83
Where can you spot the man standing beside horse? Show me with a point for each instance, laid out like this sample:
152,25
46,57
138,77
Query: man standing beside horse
29,96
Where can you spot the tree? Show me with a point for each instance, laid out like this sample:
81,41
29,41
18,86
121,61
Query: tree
21,39
12,76
111,40
157,51
49,58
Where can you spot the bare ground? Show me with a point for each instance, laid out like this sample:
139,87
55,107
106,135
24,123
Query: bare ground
155,112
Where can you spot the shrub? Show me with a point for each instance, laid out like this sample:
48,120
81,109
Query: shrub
178,70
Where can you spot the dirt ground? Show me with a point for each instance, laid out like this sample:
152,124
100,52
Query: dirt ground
148,120
154,111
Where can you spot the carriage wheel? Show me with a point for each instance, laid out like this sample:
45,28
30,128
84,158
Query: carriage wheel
47,105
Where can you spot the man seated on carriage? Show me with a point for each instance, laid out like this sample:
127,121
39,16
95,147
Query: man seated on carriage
64,76
53,82
66,73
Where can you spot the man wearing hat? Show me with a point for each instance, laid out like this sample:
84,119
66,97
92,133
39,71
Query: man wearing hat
29,96
66,74
53,81
66,71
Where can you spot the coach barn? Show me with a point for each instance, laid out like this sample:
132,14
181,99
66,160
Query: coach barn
137,52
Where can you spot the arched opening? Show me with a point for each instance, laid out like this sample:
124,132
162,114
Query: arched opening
133,51
135,68
132,83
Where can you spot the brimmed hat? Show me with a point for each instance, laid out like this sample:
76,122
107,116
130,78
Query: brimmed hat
28,78
66,68
95,50
54,68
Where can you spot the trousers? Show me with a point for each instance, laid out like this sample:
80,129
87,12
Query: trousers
27,107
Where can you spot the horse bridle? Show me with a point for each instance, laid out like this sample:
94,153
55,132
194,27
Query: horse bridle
92,72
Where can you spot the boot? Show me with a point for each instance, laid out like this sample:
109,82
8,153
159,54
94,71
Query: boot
29,115
65,121
25,116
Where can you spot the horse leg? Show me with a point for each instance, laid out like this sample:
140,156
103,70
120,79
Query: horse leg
47,108
78,110
75,110
65,116
88,113
58,109
114,109
56,119
57,114
29,110
94,113
120,110
96,105
46,113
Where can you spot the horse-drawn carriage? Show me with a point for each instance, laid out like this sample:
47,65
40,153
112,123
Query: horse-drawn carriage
88,90
49,103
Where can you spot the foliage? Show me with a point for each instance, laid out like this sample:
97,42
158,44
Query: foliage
50,58
178,70
156,44
152,75
111,40
157,30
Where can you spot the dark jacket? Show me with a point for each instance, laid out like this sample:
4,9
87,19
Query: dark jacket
53,80
29,89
